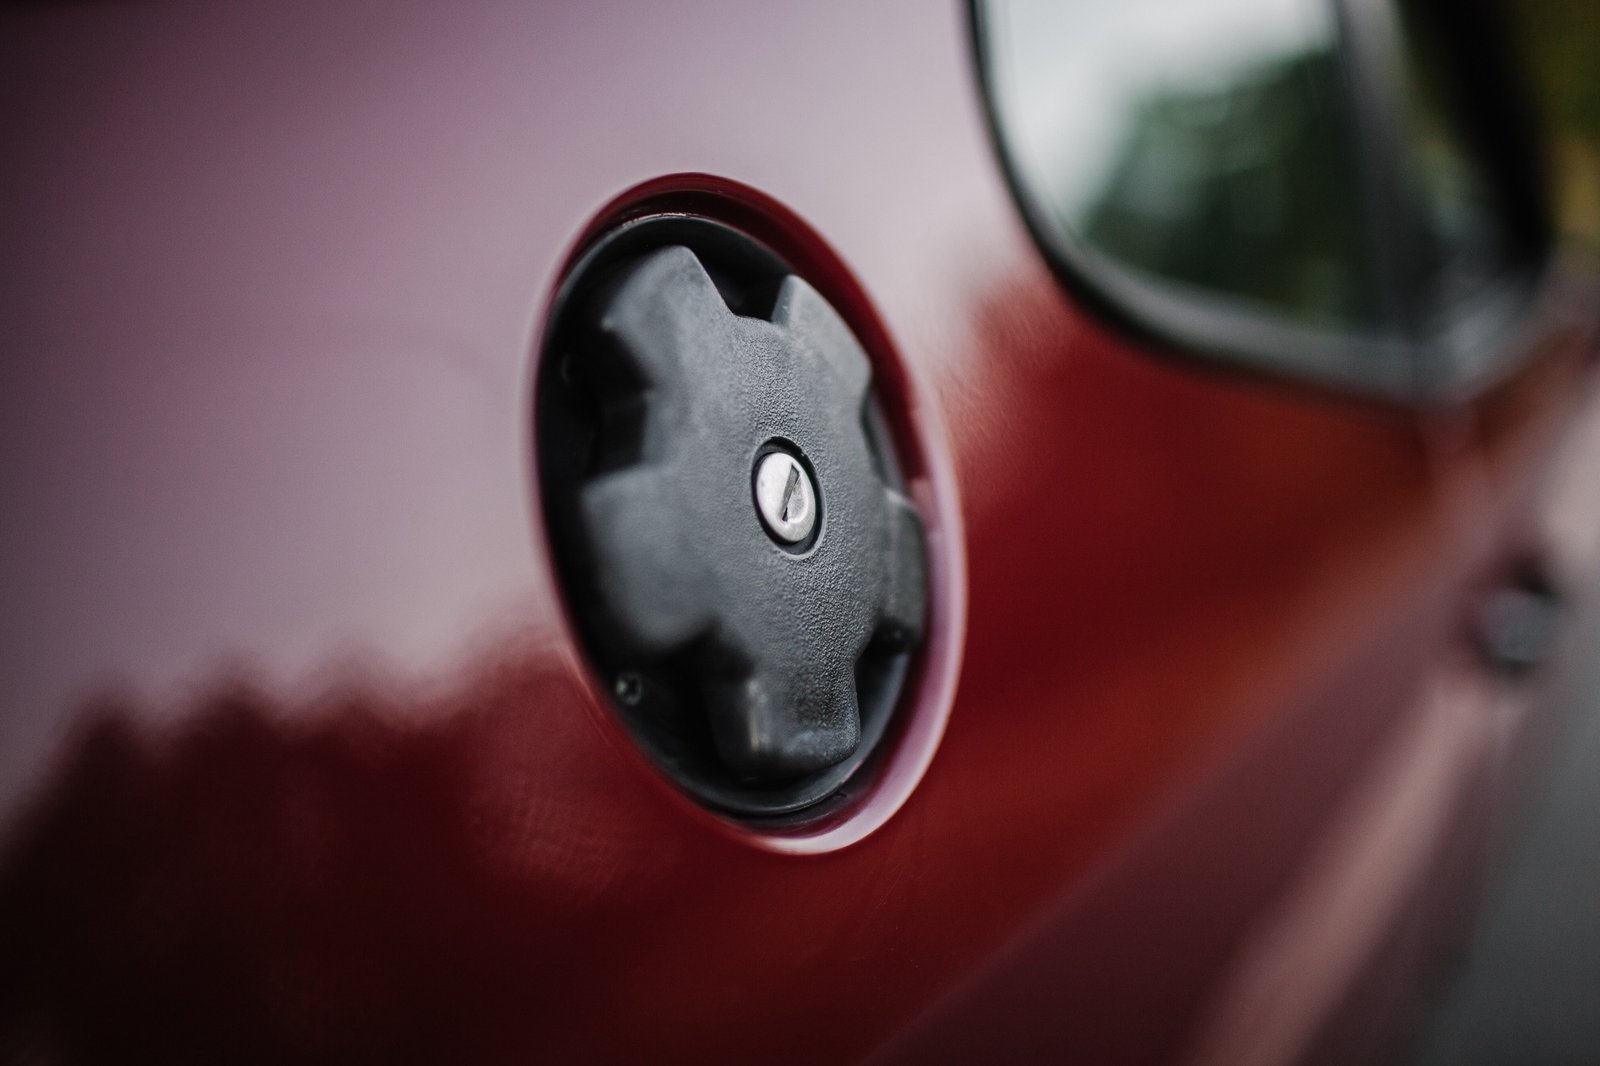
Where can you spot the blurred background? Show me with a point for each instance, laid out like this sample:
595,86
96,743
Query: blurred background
1528,984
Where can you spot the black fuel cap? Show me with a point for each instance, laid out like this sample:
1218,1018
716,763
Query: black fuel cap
727,513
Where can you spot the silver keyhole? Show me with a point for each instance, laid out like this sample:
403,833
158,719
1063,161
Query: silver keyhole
785,497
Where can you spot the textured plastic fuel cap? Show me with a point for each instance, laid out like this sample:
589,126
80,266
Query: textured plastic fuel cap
736,545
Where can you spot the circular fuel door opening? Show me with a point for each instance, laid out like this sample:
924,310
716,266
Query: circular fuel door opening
727,514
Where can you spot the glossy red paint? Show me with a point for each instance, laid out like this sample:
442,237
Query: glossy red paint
300,760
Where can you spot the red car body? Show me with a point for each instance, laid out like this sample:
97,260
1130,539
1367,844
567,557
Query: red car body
301,758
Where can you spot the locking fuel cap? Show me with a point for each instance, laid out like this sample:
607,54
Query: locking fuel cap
726,512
